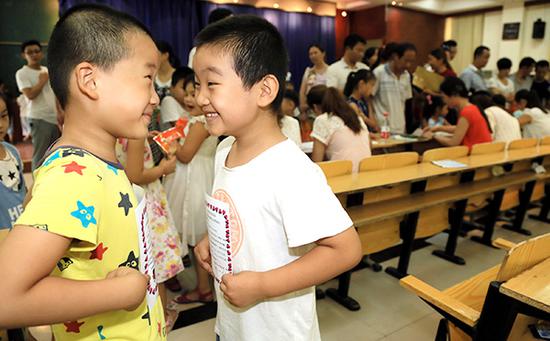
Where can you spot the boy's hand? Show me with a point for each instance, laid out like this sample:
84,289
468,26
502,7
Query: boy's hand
136,283
43,77
202,253
168,165
243,289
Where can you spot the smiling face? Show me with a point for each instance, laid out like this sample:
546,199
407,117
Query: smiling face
189,100
126,94
229,107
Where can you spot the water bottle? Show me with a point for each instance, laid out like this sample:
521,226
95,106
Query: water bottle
385,130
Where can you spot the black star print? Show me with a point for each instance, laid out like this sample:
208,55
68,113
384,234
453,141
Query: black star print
147,316
17,166
125,202
1,178
73,151
131,262
11,175
64,263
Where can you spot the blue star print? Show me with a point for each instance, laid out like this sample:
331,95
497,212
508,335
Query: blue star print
113,168
85,214
51,158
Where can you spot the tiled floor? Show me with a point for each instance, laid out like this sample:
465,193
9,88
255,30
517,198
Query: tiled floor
388,312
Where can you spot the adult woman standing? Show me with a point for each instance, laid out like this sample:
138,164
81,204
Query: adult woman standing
314,75
439,63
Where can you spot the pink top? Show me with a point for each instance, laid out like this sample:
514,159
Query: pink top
342,143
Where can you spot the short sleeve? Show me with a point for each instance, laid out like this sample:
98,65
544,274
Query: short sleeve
321,129
23,82
467,79
67,199
169,110
309,209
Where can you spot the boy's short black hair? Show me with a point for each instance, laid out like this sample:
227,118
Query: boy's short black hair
190,78
352,40
499,100
526,62
30,43
293,96
91,33
256,47
219,14
504,63
448,44
181,73
479,50
542,63
404,47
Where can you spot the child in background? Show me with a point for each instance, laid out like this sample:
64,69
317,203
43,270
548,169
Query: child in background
289,125
77,244
12,184
534,120
279,253
339,133
34,82
358,90
197,152
137,159
171,108
435,111
314,100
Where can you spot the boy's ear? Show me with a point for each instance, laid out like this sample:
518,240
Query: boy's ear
86,76
269,88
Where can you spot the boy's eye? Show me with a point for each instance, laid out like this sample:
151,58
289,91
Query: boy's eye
149,76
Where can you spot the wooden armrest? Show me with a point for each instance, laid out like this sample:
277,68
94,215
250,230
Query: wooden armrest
503,244
441,300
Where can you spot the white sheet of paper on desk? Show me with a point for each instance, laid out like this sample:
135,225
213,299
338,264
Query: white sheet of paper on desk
219,234
418,132
307,147
449,164
404,138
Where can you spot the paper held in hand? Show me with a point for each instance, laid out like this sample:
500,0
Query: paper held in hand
146,258
219,234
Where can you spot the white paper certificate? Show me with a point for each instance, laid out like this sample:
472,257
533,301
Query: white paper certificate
219,234
146,259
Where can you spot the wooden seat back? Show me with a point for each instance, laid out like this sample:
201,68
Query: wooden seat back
445,153
488,148
388,161
336,167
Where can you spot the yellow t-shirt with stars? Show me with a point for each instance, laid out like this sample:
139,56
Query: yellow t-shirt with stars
80,196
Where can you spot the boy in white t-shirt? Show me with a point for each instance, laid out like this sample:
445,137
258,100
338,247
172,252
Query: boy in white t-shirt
34,82
288,230
171,106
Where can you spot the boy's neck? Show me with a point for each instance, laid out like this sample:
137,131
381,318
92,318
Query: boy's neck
263,134
34,66
79,132
2,151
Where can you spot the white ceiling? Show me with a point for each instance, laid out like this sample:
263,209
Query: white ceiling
443,7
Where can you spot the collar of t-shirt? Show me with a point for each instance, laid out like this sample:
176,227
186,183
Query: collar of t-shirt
475,69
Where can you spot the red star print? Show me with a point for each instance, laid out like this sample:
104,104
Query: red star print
73,167
159,328
73,326
98,252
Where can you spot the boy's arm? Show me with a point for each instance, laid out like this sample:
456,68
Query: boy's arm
30,296
33,91
331,256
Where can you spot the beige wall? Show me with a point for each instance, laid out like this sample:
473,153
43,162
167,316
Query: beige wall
486,28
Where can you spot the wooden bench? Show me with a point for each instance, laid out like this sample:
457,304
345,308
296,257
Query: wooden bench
469,307
542,188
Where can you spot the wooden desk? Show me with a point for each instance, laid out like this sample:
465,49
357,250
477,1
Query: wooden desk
365,180
531,287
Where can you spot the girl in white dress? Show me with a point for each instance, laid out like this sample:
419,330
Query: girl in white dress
197,152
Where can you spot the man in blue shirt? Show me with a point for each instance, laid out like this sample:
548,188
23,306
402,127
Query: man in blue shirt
472,76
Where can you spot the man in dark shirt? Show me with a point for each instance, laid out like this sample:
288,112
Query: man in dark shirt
540,84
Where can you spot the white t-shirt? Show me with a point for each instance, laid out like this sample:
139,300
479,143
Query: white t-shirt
504,89
390,94
540,123
337,73
171,110
42,107
291,129
280,204
505,127
342,143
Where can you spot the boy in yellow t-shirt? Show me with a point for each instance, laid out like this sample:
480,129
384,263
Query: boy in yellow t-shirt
78,257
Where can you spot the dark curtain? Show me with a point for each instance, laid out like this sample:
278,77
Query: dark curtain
178,21
175,21
299,30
